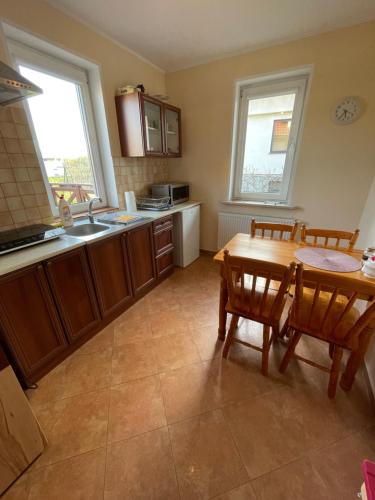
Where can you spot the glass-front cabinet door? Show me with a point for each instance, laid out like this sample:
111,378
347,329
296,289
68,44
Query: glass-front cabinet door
172,131
153,133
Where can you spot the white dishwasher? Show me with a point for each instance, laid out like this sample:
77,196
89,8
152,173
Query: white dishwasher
186,236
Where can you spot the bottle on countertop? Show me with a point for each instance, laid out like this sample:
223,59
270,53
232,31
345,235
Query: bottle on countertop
65,213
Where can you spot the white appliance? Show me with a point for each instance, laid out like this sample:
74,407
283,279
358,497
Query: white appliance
186,236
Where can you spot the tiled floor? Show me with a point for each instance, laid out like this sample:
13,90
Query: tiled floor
148,410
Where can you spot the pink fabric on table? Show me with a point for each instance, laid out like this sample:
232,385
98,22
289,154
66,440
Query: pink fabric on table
328,260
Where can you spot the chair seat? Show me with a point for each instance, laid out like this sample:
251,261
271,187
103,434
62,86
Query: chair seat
313,326
254,309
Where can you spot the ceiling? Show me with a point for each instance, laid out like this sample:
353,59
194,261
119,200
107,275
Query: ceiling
174,34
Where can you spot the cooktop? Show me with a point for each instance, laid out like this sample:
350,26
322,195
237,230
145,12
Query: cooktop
22,237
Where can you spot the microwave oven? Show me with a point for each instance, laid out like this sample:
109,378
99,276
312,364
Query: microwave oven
177,193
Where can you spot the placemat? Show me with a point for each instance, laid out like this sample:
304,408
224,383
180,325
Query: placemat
329,260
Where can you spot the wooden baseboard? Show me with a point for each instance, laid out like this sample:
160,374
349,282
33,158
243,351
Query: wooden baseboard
207,253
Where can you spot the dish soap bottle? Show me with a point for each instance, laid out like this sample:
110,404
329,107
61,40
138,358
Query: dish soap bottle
65,213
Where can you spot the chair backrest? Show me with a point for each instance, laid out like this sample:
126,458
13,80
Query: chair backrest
249,285
322,237
273,230
326,303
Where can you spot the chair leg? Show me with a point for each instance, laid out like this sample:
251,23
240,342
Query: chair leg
335,370
290,351
230,335
266,349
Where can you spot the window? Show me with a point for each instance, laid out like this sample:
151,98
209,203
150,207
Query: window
269,119
62,119
280,136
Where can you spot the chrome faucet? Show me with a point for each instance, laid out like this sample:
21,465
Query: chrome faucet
91,217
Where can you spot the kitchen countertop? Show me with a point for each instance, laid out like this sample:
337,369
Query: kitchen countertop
28,256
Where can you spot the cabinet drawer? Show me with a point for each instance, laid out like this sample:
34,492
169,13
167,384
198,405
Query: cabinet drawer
164,263
163,240
161,224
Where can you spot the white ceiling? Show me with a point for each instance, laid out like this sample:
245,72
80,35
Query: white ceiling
175,34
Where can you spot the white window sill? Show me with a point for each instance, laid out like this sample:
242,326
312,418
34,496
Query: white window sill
269,204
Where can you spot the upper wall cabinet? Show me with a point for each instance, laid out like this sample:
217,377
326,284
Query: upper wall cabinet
148,127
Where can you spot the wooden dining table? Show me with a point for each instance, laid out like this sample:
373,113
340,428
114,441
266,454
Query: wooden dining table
283,252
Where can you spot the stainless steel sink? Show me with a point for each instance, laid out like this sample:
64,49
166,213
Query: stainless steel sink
86,229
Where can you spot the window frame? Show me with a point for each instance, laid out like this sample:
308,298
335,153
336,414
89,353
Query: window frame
268,86
35,59
271,151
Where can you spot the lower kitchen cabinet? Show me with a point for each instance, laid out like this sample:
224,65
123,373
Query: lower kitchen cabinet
30,326
111,274
70,280
141,257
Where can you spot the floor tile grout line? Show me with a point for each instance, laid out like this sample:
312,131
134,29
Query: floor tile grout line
107,433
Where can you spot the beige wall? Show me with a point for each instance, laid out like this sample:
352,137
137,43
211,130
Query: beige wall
367,239
335,164
23,197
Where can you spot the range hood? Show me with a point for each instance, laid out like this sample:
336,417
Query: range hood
14,87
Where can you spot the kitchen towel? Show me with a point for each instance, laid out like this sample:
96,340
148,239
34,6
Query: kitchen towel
130,203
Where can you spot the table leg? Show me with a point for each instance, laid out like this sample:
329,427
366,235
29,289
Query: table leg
222,311
355,360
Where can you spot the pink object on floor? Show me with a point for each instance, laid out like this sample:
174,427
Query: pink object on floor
368,469
328,260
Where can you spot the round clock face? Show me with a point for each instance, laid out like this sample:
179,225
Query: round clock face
347,110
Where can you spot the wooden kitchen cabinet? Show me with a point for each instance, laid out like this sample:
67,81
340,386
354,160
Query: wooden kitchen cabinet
147,126
71,283
30,326
141,257
163,243
109,266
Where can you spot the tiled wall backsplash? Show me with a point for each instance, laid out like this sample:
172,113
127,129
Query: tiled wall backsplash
137,174
23,196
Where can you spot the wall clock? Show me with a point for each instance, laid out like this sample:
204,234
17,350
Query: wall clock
347,110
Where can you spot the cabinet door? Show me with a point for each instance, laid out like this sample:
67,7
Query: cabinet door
152,127
141,257
172,126
29,321
111,274
70,279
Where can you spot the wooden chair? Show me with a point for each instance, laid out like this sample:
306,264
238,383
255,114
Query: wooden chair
257,301
328,314
271,229
326,235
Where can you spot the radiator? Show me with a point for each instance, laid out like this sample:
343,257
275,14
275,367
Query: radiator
231,224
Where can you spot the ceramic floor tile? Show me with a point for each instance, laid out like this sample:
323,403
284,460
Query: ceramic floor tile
50,387
339,465
175,351
201,315
207,342
77,478
87,372
135,407
168,323
244,492
132,361
141,468
297,480
188,391
100,342
132,329
278,427
73,425
206,458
